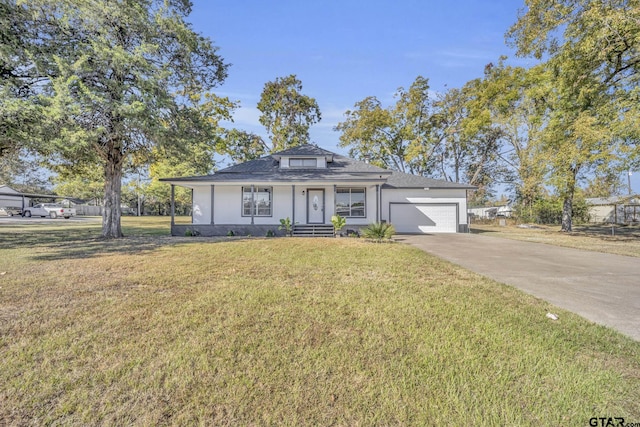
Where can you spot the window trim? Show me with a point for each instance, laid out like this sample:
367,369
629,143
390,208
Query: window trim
253,189
364,208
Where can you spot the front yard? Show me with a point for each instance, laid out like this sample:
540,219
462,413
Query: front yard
152,330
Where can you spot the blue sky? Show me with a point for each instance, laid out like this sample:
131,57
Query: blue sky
344,51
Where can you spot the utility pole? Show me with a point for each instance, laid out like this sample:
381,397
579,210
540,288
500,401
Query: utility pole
629,181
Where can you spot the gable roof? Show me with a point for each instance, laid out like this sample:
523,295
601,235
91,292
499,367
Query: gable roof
339,168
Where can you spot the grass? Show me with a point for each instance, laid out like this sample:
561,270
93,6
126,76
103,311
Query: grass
151,330
625,240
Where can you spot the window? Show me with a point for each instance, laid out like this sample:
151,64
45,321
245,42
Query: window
350,202
258,204
303,163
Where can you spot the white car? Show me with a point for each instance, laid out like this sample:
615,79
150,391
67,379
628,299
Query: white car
52,210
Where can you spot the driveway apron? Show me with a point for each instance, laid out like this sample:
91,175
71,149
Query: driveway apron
603,288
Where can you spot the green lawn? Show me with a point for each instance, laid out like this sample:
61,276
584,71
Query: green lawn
152,330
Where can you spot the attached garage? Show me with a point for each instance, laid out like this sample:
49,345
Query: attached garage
418,218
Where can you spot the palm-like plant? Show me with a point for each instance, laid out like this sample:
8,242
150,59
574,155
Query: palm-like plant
379,231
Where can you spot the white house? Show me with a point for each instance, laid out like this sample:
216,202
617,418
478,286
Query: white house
308,185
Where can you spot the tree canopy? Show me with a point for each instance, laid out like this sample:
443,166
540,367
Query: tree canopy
121,81
287,114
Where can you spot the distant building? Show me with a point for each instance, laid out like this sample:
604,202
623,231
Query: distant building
490,212
10,198
614,209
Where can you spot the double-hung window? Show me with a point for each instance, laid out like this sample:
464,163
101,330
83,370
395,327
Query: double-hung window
350,202
256,202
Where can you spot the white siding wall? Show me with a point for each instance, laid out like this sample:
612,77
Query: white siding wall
425,196
228,204
202,205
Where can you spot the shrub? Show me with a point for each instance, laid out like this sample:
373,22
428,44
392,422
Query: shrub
378,231
191,233
286,225
270,233
338,222
548,210
231,233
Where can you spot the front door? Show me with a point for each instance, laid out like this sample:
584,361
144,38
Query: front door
315,206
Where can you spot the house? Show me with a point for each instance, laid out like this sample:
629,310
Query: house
10,198
308,185
614,209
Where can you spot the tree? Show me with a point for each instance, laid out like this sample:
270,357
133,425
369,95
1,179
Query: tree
20,113
126,77
82,181
243,146
21,170
468,140
286,113
594,63
398,137
514,99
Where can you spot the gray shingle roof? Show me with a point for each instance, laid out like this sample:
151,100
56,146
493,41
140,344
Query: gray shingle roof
405,180
304,150
340,169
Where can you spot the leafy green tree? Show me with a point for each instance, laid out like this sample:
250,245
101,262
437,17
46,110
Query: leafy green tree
242,146
20,113
513,98
594,50
469,141
287,114
22,170
397,137
125,77
81,181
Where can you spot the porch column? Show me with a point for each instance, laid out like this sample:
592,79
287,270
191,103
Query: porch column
253,202
335,197
293,204
377,202
212,193
173,205
192,206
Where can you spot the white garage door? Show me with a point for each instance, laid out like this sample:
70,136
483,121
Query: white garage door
424,218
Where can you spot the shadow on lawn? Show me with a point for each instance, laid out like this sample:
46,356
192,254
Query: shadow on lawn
51,245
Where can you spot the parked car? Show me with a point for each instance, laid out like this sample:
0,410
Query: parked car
52,210
11,211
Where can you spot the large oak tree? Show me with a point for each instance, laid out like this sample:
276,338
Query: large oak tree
287,114
593,52
120,81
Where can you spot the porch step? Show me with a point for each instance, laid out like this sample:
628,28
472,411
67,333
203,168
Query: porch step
313,230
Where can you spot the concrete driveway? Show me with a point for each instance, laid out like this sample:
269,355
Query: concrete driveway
601,287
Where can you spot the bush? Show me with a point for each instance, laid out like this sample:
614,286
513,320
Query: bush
378,231
549,211
338,222
286,225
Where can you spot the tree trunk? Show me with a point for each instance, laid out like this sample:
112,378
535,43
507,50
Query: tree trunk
111,228
567,213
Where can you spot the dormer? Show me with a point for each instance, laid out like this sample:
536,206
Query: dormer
303,157
303,162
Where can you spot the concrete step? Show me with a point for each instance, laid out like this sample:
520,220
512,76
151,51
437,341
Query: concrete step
313,230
